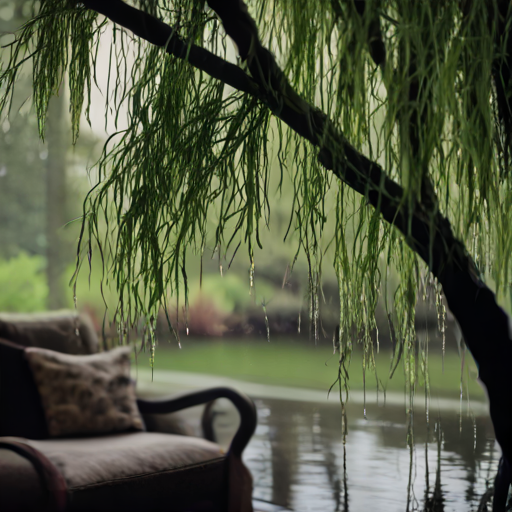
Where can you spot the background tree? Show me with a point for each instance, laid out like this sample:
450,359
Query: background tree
20,148
35,206
420,89
57,250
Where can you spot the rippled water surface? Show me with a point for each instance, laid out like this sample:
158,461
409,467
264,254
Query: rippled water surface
298,459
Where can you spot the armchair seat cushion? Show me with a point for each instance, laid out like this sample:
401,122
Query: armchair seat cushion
98,460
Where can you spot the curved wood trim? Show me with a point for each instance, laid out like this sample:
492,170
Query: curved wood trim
243,404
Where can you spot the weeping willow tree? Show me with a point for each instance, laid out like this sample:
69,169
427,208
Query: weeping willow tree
400,107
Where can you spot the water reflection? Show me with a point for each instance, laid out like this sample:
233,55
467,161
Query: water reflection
298,458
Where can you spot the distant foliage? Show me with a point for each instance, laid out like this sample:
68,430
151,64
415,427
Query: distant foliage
22,188
23,284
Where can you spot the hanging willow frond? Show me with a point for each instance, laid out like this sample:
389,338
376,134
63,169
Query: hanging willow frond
359,87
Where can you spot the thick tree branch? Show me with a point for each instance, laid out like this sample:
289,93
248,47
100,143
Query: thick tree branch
160,34
501,17
483,322
375,40
416,113
336,154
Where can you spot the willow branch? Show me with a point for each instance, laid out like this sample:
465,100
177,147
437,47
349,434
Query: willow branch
501,17
336,153
483,323
376,44
158,33
428,233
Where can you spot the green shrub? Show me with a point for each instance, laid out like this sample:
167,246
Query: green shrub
23,284
231,293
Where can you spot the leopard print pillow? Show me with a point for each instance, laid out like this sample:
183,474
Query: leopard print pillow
84,395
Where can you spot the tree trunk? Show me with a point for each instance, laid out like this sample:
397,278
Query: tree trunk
57,143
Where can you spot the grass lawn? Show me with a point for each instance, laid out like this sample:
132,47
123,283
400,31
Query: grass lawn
287,362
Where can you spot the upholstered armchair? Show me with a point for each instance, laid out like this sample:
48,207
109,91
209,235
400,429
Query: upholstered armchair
49,461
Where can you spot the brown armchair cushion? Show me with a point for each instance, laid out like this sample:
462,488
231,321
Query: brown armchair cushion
99,460
84,395
63,331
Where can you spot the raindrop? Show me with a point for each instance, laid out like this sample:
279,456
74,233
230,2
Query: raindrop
267,325
3,171
316,314
251,277
179,344
152,357
364,392
187,331
441,322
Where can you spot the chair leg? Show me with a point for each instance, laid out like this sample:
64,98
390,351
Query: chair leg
240,486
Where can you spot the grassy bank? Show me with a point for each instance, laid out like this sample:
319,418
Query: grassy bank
285,362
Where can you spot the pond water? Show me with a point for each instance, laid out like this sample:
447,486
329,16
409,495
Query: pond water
390,461
298,458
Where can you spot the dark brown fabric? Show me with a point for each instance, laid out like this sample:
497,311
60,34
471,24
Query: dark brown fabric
21,489
196,488
84,395
21,412
93,460
64,331
240,486
51,479
173,423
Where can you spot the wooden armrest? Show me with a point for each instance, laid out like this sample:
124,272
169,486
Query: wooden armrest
243,404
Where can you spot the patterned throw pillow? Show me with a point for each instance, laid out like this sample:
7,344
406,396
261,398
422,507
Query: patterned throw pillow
84,395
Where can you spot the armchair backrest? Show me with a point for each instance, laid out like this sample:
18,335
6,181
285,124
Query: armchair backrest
62,331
